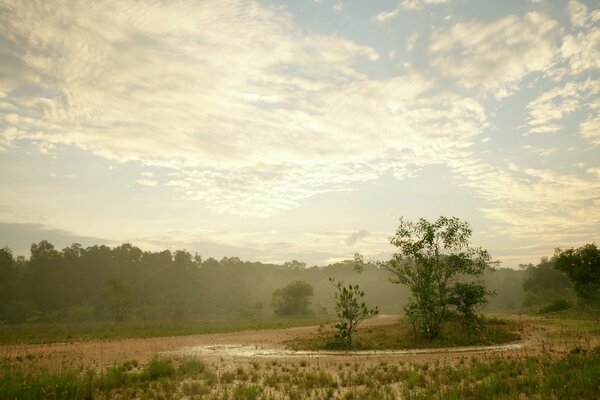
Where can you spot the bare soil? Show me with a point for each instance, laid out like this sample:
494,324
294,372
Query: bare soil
268,346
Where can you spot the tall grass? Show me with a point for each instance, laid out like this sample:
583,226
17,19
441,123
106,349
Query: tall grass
575,376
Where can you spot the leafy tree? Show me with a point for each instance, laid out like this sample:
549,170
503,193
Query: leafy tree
7,277
467,297
120,300
293,299
545,283
431,258
350,310
582,266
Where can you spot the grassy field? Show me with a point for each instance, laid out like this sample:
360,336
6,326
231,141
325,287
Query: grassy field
571,372
575,376
32,333
400,336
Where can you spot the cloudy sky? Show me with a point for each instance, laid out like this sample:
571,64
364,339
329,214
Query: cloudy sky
275,130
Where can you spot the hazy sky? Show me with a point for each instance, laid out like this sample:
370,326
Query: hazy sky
301,130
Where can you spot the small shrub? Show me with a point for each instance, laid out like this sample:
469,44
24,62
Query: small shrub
556,305
113,377
192,366
158,367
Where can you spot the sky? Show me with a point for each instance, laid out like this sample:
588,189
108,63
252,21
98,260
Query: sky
304,129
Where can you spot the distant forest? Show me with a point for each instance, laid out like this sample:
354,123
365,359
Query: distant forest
78,284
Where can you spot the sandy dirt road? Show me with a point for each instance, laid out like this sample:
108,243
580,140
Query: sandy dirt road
269,345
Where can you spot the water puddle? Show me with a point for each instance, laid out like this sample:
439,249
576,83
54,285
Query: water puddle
248,350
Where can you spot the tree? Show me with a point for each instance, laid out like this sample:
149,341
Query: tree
350,310
293,299
467,297
545,283
582,266
431,258
7,277
120,300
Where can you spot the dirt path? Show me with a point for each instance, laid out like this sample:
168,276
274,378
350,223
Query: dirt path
267,345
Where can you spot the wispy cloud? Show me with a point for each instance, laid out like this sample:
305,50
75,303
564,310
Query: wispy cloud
250,114
547,111
253,131
494,56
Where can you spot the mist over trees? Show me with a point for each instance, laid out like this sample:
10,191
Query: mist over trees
124,282
545,283
294,299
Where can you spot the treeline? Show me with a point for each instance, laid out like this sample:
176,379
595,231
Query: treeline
102,283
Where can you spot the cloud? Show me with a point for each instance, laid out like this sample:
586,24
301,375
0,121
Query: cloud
581,48
251,115
590,129
356,236
385,16
274,246
542,206
551,107
254,122
494,56
412,41
19,237
419,4
147,182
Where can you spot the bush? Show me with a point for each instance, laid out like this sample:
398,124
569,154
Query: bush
21,311
293,299
80,312
158,367
556,305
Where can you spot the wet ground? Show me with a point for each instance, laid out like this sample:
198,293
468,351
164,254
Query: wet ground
268,345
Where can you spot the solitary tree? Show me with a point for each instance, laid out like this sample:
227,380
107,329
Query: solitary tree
431,258
582,266
293,299
350,310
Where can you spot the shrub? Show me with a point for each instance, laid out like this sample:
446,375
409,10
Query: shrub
556,305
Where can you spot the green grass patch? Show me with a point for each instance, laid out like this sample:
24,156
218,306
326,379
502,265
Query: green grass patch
400,336
37,333
575,376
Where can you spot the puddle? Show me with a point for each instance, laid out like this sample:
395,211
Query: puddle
247,350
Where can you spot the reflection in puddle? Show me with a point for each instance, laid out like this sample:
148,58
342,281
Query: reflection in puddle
246,350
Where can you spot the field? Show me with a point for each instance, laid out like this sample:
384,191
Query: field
556,356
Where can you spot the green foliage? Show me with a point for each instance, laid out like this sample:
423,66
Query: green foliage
400,337
293,299
582,266
119,299
350,310
66,384
431,257
544,282
467,297
21,311
158,367
56,286
556,305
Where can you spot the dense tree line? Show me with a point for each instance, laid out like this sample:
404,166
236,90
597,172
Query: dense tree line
100,282
78,283
570,276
